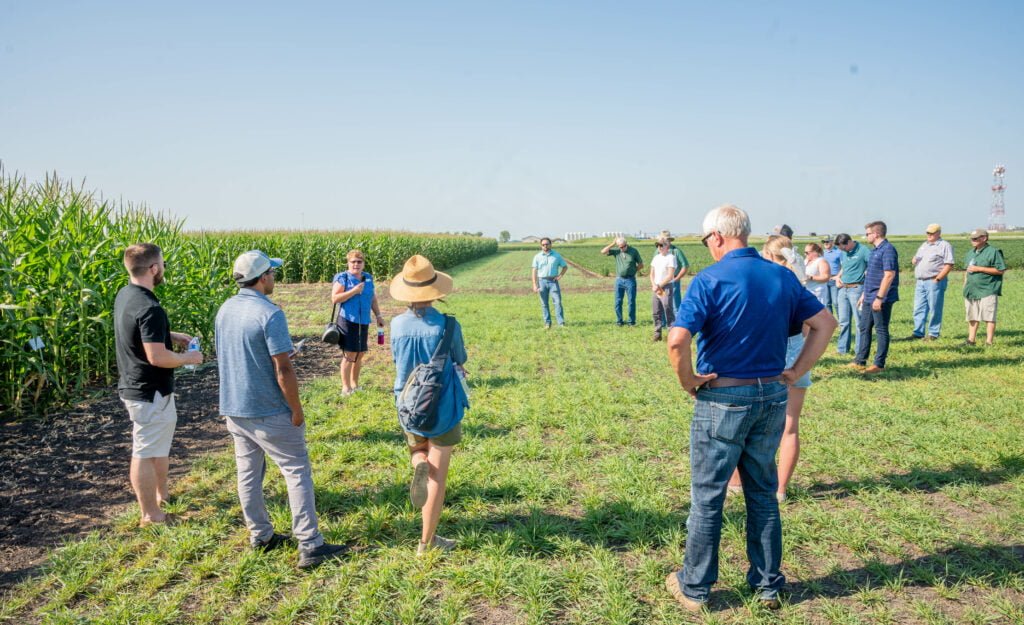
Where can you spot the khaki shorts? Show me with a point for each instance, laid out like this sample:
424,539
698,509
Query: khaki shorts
983,309
152,425
447,439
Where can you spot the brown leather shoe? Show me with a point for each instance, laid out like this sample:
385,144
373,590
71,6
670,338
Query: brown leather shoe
672,585
856,365
872,370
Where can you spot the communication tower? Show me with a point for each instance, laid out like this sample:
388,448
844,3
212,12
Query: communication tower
997,215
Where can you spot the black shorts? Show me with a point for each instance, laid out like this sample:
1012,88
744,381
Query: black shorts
353,336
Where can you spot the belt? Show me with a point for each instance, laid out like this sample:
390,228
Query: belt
847,285
730,382
549,278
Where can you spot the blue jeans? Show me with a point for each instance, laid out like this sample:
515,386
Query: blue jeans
847,305
833,298
879,322
546,288
929,295
625,286
735,427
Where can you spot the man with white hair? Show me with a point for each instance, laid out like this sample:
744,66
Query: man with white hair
627,264
743,309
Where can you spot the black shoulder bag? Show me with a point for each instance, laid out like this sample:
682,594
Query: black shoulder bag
332,333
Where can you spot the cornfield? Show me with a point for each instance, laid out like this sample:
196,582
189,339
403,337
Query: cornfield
316,256
60,266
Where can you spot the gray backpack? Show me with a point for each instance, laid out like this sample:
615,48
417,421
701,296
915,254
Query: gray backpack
417,403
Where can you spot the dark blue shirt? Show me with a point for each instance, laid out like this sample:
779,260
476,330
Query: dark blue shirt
743,309
883,258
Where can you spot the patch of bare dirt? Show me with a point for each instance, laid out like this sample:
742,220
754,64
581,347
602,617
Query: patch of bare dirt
66,474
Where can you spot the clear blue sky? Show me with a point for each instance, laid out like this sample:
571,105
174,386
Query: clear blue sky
532,117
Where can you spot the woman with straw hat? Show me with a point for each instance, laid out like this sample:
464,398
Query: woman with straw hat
415,334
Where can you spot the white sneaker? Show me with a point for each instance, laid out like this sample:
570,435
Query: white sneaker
439,543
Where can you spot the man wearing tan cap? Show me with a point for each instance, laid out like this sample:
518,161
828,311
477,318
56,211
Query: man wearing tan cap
682,266
983,284
932,263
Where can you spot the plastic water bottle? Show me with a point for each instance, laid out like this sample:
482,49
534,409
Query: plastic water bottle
380,336
193,346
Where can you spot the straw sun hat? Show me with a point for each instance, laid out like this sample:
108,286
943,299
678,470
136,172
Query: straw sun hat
418,282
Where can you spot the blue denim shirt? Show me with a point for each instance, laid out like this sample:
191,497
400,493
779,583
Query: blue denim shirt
414,337
356,309
834,257
743,309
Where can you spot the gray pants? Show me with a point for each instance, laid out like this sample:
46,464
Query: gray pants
661,309
286,445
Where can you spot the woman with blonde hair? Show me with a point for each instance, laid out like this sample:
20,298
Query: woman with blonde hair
415,335
779,250
354,292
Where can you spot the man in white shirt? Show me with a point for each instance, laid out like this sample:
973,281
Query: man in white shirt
663,273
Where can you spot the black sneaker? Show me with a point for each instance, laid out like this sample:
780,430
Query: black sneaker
323,553
275,541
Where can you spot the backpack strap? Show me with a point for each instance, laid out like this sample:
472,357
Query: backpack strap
444,346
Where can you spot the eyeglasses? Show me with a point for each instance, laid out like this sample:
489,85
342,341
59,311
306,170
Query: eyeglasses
707,236
977,238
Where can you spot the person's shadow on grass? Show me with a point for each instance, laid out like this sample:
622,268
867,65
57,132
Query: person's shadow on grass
921,479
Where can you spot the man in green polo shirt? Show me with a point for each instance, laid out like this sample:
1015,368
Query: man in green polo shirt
849,284
983,284
627,264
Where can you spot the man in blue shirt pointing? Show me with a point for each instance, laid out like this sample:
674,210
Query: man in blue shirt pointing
743,309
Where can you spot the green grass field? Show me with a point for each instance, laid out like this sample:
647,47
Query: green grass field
587,253
570,490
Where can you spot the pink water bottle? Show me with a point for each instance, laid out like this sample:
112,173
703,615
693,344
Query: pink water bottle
380,335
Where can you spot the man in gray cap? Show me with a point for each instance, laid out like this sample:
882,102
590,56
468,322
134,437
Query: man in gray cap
259,398
833,256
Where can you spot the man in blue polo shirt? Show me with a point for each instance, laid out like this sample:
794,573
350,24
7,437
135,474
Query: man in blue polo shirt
740,392
832,256
548,269
850,285
881,291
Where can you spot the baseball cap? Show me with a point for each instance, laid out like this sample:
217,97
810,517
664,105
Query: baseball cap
826,238
784,230
933,228
979,232
253,264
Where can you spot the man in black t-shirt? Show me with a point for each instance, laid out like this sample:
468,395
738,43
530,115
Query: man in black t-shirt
145,363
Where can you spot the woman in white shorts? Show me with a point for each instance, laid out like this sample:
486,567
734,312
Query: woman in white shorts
779,249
